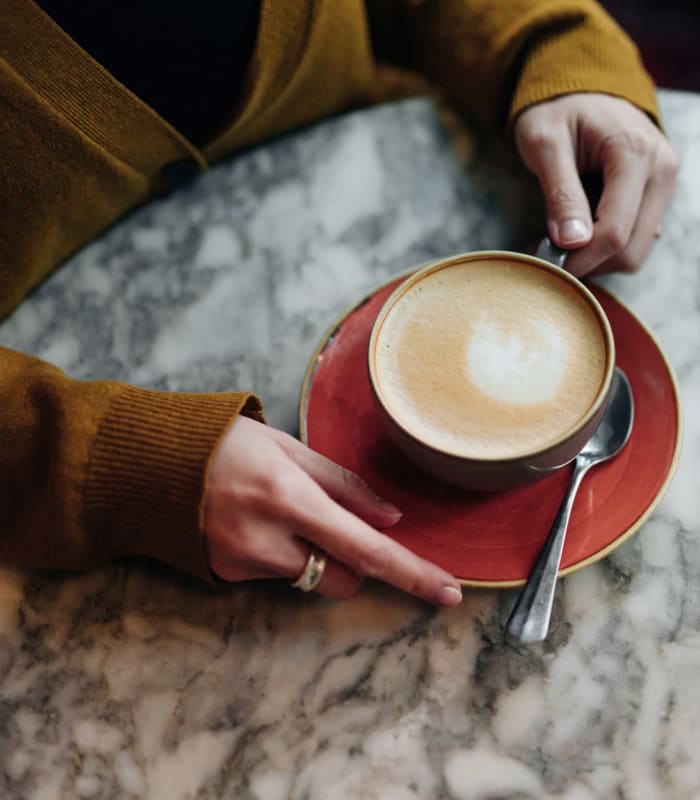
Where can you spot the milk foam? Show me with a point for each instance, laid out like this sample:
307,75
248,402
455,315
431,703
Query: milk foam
522,368
490,359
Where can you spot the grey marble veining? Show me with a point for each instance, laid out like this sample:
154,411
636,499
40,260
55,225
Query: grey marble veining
132,681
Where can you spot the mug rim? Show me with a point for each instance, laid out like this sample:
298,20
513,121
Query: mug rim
459,258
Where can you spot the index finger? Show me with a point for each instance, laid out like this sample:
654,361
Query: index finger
624,185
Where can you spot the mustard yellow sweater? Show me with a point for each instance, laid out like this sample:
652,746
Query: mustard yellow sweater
92,471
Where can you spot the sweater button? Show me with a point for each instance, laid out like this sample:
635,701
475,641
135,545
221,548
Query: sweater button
178,173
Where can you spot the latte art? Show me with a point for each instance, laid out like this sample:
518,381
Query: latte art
490,358
521,368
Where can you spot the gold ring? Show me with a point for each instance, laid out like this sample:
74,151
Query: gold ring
312,572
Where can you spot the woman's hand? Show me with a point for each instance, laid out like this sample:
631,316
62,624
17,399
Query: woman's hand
269,499
561,138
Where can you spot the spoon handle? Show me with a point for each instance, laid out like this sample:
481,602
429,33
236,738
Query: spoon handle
529,619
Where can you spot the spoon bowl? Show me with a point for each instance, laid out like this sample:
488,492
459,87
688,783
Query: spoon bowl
530,617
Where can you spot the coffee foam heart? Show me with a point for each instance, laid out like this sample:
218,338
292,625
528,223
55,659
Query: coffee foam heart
523,368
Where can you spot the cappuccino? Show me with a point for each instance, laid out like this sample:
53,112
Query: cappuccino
490,358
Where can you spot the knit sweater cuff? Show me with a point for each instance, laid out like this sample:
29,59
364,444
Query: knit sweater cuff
590,55
147,477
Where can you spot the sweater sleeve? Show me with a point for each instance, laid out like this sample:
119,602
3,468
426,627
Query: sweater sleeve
95,471
89,471
495,59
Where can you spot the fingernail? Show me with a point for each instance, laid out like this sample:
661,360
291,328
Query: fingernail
389,508
572,231
450,596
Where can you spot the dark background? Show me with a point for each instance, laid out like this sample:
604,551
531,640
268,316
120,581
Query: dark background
667,33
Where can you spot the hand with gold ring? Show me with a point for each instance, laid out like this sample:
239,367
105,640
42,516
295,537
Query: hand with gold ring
270,498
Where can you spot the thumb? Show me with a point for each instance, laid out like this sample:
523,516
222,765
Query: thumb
568,212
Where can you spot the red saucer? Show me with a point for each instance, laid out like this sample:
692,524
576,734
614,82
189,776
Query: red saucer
493,539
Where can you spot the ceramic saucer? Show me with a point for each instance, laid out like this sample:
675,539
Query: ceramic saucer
493,539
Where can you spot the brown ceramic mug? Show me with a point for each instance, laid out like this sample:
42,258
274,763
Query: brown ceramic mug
491,369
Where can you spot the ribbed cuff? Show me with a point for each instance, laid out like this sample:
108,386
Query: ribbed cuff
147,474
589,55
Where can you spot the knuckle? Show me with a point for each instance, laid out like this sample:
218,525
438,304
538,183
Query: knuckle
537,134
275,489
351,481
373,561
633,141
541,139
615,236
669,165
638,142
282,488
417,586
537,128
564,195
628,146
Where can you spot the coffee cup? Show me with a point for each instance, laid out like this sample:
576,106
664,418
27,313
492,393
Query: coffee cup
491,369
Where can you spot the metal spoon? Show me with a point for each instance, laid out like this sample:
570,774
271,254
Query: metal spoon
529,619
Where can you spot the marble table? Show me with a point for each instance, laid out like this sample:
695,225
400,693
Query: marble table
136,682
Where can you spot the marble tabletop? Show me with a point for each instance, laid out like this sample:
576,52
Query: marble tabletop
135,682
